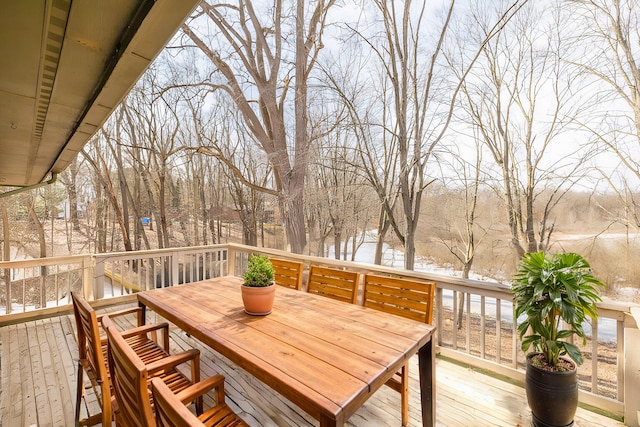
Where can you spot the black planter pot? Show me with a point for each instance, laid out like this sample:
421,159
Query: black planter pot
552,396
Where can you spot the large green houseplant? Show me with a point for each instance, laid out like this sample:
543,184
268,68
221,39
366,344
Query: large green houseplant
258,288
554,295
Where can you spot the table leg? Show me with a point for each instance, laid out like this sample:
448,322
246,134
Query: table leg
327,422
427,366
143,313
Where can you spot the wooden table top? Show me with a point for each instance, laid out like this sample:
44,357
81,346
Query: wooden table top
326,356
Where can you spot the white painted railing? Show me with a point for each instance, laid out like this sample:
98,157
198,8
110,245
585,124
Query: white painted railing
128,272
486,336
40,283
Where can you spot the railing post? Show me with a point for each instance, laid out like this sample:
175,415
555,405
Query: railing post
632,368
97,290
231,261
174,269
7,287
439,317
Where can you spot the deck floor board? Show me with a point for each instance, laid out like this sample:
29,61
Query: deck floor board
38,363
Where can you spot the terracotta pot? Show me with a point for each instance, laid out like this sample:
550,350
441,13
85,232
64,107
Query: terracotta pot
258,301
552,396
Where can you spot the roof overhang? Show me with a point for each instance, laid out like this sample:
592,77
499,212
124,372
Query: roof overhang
66,65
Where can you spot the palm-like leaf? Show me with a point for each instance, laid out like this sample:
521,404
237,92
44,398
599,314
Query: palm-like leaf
549,289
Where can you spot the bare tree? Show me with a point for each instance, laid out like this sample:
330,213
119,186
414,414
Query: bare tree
154,128
605,51
422,99
223,136
376,154
465,174
520,100
468,178
29,200
248,54
337,194
69,178
103,173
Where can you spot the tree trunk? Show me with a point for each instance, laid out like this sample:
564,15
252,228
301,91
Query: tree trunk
123,193
466,269
6,235
73,194
337,243
294,225
163,212
409,250
383,227
40,230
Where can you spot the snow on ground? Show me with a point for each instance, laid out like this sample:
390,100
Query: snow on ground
395,258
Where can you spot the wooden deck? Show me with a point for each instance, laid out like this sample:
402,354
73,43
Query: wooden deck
38,361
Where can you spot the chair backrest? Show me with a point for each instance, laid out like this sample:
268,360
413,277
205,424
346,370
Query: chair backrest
287,273
89,346
333,283
412,299
170,411
129,381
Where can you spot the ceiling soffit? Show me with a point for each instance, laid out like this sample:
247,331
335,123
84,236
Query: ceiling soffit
68,64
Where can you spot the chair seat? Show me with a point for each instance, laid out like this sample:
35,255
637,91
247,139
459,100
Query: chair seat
147,349
221,416
171,410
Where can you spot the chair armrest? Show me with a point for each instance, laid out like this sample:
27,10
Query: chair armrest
198,389
172,361
141,330
126,311
121,312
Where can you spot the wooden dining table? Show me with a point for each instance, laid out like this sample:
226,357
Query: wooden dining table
326,356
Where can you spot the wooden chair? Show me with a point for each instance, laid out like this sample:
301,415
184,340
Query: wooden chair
333,283
171,409
130,377
287,273
92,354
407,298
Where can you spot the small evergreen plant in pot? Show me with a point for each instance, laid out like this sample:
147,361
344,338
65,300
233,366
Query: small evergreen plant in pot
259,272
258,288
553,295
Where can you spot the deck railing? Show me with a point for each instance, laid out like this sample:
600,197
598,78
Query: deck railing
483,334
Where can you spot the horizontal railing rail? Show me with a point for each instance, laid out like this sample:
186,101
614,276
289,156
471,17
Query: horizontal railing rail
474,319
128,272
41,283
